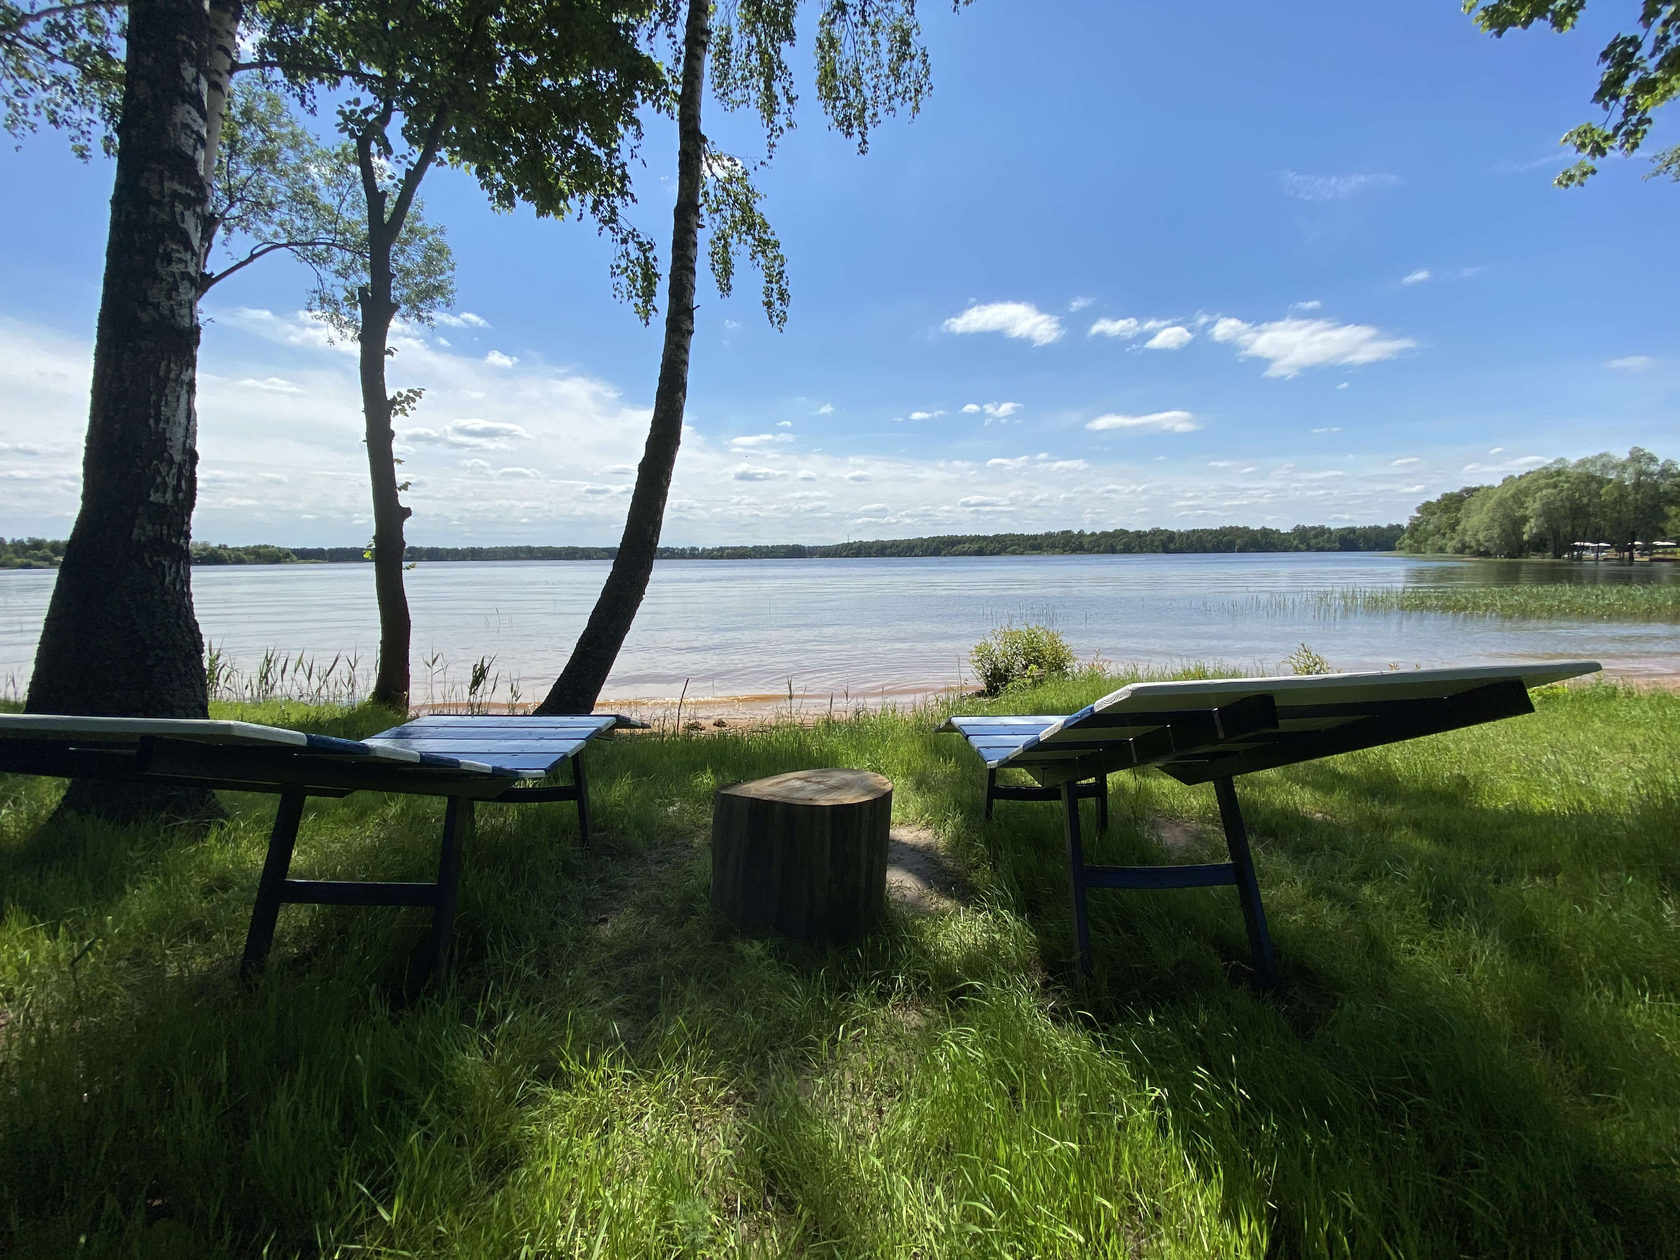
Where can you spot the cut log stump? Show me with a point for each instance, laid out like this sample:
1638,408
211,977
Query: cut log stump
803,853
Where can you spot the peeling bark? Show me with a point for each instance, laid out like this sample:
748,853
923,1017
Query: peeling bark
580,683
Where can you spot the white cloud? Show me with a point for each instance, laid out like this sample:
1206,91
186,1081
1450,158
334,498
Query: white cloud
857,474
1020,461
995,412
926,415
755,472
1632,363
1127,328
497,359
1222,463
1159,421
1415,277
1078,304
530,473
466,319
1407,462
1311,305
490,435
784,424
1343,385
827,409
1174,338
1335,187
759,439
271,385
1334,428
981,502
1020,320
1292,345
805,474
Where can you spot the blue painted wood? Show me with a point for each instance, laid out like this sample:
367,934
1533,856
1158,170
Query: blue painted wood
559,747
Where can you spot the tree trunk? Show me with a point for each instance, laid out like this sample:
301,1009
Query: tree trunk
804,853
580,683
120,637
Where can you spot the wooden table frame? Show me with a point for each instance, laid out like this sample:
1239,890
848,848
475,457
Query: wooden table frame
294,775
1212,744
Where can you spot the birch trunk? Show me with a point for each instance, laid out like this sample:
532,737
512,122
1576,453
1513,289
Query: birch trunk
120,637
580,683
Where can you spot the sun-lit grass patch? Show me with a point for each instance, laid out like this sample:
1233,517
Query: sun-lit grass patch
1474,1049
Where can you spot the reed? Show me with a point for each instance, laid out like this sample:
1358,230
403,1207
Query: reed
1596,601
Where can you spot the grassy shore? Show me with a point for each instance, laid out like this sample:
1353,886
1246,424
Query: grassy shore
1474,1050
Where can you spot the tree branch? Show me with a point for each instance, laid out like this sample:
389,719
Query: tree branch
262,251
57,11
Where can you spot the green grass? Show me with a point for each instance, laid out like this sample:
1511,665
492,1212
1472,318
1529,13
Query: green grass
1475,1047
1597,601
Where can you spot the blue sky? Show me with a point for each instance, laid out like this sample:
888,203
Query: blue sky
1135,264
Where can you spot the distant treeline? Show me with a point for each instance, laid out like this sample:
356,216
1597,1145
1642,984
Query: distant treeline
27,553
1546,511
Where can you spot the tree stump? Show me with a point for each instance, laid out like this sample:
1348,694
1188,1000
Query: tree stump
803,853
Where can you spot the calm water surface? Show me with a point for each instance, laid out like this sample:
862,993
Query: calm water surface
869,627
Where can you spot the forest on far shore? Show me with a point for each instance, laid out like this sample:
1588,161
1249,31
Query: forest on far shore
42,553
1627,504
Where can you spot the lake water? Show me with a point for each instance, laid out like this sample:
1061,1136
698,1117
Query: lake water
869,628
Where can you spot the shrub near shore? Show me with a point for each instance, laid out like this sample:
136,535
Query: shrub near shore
1475,1048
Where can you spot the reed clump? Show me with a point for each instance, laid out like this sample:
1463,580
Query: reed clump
1594,601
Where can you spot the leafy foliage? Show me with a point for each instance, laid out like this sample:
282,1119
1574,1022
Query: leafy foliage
61,64
1016,655
1303,660
1549,509
1641,73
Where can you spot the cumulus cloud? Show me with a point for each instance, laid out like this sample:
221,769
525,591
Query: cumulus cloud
981,502
497,359
1078,304
530,473
466,319
748,440
1173,338
1020,320
926,415
1126,328
271,385
1335,187
857,474
827,409
1292,345
1632,363
995,412
1156,421
755,472
490,435
1415,277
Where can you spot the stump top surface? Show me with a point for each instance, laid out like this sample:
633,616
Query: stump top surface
815,787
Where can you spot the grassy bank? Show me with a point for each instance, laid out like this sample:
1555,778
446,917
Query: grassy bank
1475,1048
1595,601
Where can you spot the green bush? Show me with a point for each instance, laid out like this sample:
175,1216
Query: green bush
1020,654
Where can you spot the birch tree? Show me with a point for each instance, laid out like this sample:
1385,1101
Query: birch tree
870,64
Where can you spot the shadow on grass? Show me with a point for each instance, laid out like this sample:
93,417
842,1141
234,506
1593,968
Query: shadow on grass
1446,1069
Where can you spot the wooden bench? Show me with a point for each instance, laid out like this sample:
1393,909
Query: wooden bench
465,760
1214,730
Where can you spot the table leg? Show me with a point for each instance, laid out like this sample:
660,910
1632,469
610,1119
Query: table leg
1248,887
266,910
582,785
1076,876
457,827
